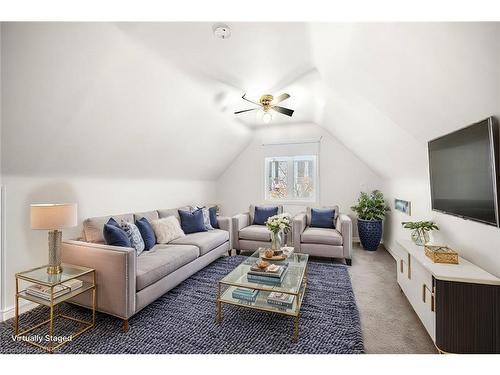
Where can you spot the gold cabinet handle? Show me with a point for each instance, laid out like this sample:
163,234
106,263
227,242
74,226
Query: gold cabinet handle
409,267
401,265
424,287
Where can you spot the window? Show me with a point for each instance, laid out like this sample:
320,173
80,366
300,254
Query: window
291,178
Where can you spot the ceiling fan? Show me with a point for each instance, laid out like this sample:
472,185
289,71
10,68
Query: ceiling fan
266,103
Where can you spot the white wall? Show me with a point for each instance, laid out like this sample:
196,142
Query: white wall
26,248
342,175
478,243
394,86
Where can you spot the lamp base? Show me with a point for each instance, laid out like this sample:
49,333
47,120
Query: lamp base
55,239
54,270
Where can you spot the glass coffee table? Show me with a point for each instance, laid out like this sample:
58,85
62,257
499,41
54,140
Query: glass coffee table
294,283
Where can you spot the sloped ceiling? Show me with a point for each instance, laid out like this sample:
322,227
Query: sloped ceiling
393,87
157,99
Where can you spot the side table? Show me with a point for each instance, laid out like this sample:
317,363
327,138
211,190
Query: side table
40,276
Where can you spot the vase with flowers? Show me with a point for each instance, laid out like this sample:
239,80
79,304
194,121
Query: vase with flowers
279,226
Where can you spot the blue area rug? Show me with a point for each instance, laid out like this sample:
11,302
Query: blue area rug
183,321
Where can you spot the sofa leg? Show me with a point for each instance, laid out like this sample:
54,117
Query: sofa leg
125,325
229,252
238,252
348,262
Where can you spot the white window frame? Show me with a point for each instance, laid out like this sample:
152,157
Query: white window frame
290,160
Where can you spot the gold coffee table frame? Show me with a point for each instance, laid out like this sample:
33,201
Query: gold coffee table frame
40,276
294,283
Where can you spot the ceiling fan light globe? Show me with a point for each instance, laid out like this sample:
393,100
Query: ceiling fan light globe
267,117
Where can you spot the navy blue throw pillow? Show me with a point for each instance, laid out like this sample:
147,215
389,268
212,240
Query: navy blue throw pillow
322,217
213,217
114,235
263,213
147,233
192,222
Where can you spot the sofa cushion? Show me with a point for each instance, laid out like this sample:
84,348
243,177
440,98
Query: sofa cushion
134,235
323,218
212,211
206,218
166,212
149,215
205,241
93,227
114,235
161,261
167,229
262,213
192,221
147,233
255,233
324,236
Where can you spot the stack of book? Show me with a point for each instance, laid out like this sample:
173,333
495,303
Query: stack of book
43,291
244,294
281,299
272,275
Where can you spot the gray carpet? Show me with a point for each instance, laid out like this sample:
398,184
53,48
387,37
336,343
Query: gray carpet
183,321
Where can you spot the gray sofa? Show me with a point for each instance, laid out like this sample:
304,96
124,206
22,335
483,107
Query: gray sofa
248,236
127,283
323,242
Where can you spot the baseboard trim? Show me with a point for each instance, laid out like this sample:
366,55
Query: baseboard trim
392,252
24,306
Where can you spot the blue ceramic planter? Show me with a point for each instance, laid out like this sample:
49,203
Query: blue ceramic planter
370,233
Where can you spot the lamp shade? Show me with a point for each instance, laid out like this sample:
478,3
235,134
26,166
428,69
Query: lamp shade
53,216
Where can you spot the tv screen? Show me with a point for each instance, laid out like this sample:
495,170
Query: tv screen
464,172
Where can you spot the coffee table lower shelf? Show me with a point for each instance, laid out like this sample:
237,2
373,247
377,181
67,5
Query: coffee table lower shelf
224,296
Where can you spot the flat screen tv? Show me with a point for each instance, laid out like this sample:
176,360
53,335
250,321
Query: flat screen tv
464,172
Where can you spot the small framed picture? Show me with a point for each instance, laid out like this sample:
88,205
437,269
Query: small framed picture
403,206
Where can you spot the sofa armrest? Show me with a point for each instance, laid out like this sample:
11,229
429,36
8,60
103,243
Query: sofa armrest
239,222
298,226
344,225
225,224
115,275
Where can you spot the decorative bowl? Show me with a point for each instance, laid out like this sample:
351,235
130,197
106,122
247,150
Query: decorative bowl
269,253
262,264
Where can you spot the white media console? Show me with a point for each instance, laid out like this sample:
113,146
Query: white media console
458,304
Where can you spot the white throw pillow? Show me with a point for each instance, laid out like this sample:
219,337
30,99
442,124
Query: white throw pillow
167,229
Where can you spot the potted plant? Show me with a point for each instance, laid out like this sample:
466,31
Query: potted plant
420,230
371,209
278,225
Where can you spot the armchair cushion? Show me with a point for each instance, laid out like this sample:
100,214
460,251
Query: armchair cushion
255,233
324,236
323,218
262,213
308,213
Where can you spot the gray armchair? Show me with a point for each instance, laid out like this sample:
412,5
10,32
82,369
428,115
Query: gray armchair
323,242
248,236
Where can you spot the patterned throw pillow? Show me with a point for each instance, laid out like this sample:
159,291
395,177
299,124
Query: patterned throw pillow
206,218
134,235
167,229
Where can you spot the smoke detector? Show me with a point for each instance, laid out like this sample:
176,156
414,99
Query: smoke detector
221,31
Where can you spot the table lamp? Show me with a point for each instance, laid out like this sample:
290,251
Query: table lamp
53,217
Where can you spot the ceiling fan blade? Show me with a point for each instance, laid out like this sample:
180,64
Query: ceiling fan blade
285,111
248,100
245,110
280,98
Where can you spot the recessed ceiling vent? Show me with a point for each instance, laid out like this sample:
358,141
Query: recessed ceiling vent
221,31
